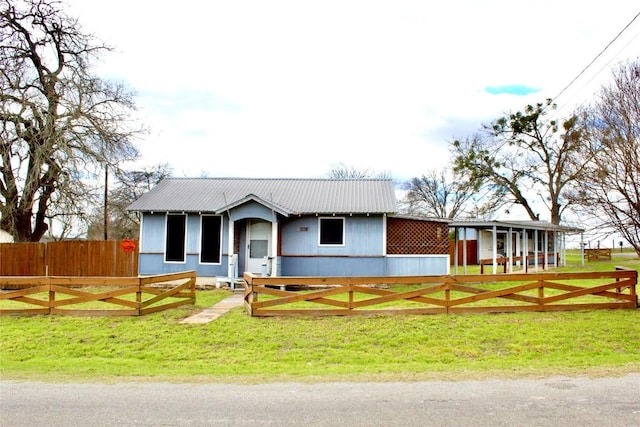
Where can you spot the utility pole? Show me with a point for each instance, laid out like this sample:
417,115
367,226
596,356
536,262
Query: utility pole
106,200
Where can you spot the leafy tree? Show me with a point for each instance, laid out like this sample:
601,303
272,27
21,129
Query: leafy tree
59,123
610,191
441,194
525,156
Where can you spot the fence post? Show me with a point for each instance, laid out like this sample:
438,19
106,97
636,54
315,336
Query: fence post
193,287
447,297
139,297
52,294
541,289
632,291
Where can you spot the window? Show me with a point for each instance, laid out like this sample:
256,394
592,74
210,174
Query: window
210,238
331,231
175,240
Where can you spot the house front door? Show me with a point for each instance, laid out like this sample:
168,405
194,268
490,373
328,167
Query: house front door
259,242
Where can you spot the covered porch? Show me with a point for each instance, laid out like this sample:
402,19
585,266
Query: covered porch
508,246
253,230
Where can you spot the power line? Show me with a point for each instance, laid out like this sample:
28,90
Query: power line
567,102
597,56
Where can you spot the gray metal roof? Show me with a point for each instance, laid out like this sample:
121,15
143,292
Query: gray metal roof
294,196
413,217
530,225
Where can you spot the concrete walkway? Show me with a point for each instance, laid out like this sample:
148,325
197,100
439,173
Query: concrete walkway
209,314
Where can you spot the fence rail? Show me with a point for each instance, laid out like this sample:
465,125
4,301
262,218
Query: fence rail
113,258
268,296
598,254
96,296
519,259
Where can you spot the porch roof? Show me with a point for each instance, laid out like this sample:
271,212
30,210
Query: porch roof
517,224
253,198
287,195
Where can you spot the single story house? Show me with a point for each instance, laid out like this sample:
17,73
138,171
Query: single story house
221,227
510,243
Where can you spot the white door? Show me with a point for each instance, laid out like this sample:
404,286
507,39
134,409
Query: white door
259,241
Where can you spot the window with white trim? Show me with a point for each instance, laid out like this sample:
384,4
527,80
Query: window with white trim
331,231
174,250
210,239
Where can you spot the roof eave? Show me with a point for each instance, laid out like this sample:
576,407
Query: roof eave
253,198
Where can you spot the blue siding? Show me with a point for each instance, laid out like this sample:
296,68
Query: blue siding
154,264
153,232
332,266
365,266
252,210
425,265
193,234
301,255
225,239
151,258
363,237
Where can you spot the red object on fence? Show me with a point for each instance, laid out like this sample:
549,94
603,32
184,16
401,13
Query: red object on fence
128,245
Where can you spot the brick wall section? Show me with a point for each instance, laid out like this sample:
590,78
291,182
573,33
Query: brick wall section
415,237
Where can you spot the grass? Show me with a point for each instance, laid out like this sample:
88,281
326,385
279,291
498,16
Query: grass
238,348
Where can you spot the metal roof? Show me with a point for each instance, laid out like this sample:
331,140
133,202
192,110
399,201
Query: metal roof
530,225
413,217
291,195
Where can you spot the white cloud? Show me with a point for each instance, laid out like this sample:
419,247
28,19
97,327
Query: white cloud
291,88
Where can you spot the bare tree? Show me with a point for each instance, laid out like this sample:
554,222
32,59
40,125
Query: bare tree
131,184
58,122
442,194
342,171
610,192
526,157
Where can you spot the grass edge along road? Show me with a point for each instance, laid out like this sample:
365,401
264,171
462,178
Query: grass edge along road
238,348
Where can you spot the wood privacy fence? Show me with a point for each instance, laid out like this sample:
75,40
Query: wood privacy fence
104,258
268,296
96,296
472,252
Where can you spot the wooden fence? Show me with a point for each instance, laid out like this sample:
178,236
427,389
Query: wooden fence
472,252
96,296
268,296
598,254
104,258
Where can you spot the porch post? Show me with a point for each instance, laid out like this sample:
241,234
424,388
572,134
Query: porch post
274,248
535,250
525,251
456,230
546,249
556,249
230,257
509,249
464,250
495,249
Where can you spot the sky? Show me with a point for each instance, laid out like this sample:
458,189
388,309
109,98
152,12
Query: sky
296,88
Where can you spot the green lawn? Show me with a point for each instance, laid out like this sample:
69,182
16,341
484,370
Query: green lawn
238,348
